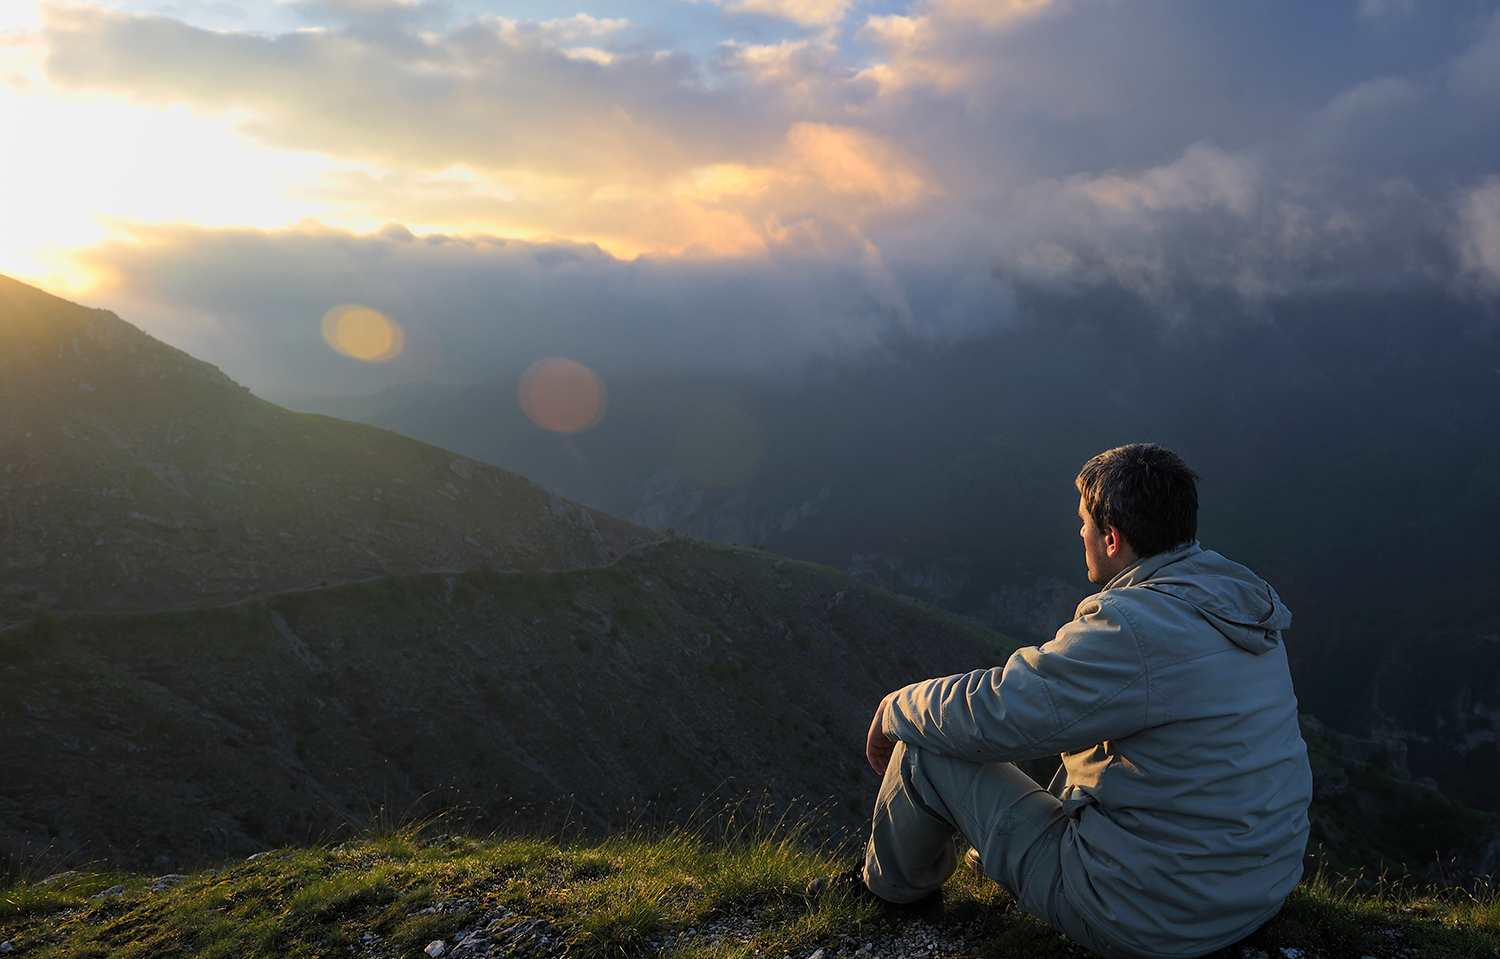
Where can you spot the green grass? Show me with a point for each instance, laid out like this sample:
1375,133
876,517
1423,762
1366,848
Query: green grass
674,893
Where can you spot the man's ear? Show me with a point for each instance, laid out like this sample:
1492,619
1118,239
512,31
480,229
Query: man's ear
1114,541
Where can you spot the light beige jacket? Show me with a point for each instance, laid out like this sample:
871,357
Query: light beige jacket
1187,782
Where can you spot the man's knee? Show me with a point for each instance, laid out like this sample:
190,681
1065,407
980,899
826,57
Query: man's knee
1022,843
950,785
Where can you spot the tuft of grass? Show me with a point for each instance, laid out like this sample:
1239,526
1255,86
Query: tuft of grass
347,892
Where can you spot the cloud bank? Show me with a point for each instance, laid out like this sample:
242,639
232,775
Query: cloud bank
903,168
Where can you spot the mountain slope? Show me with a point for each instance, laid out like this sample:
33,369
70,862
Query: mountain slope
681,670
133,476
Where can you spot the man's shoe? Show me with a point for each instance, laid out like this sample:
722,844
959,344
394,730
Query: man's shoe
851,883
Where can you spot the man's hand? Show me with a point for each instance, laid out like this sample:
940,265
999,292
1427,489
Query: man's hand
878,748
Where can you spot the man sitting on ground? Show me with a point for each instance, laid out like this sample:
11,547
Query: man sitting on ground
1177,822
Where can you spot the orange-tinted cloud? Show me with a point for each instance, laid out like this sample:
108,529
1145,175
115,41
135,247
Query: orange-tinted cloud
808,13
932,46
514,128
495,94
1028,137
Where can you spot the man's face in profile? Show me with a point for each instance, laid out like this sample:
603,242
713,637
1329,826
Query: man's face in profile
1095,556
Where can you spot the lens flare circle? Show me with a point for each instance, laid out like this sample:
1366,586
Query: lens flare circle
363,333
561,395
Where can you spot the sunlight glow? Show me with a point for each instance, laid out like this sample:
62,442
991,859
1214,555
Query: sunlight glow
85,170
77,167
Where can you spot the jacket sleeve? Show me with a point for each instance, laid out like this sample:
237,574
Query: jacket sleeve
1088,684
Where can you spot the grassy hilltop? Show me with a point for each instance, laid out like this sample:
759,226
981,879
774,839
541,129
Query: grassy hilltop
393,893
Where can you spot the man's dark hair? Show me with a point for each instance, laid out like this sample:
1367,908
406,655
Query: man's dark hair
1146,492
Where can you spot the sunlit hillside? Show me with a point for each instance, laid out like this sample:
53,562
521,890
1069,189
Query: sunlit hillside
133,476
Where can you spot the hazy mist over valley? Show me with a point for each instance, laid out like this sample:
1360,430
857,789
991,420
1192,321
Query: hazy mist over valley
1299,420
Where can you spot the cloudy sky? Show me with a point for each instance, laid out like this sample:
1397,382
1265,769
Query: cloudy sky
664,180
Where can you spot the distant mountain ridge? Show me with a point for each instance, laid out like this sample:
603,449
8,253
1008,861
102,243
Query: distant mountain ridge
133,476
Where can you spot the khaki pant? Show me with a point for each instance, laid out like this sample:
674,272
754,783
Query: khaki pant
1015,824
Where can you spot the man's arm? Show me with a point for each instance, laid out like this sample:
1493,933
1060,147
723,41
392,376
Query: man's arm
1088,684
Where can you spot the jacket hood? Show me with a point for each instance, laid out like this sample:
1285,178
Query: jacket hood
1235,601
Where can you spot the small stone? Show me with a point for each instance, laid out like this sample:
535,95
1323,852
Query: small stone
816,955
435,948
1291,952
6,946
116,890
256,855
167,881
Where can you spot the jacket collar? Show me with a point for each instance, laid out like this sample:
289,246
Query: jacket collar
1143,569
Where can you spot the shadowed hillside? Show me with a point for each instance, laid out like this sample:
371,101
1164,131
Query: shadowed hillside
683,669
133,476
